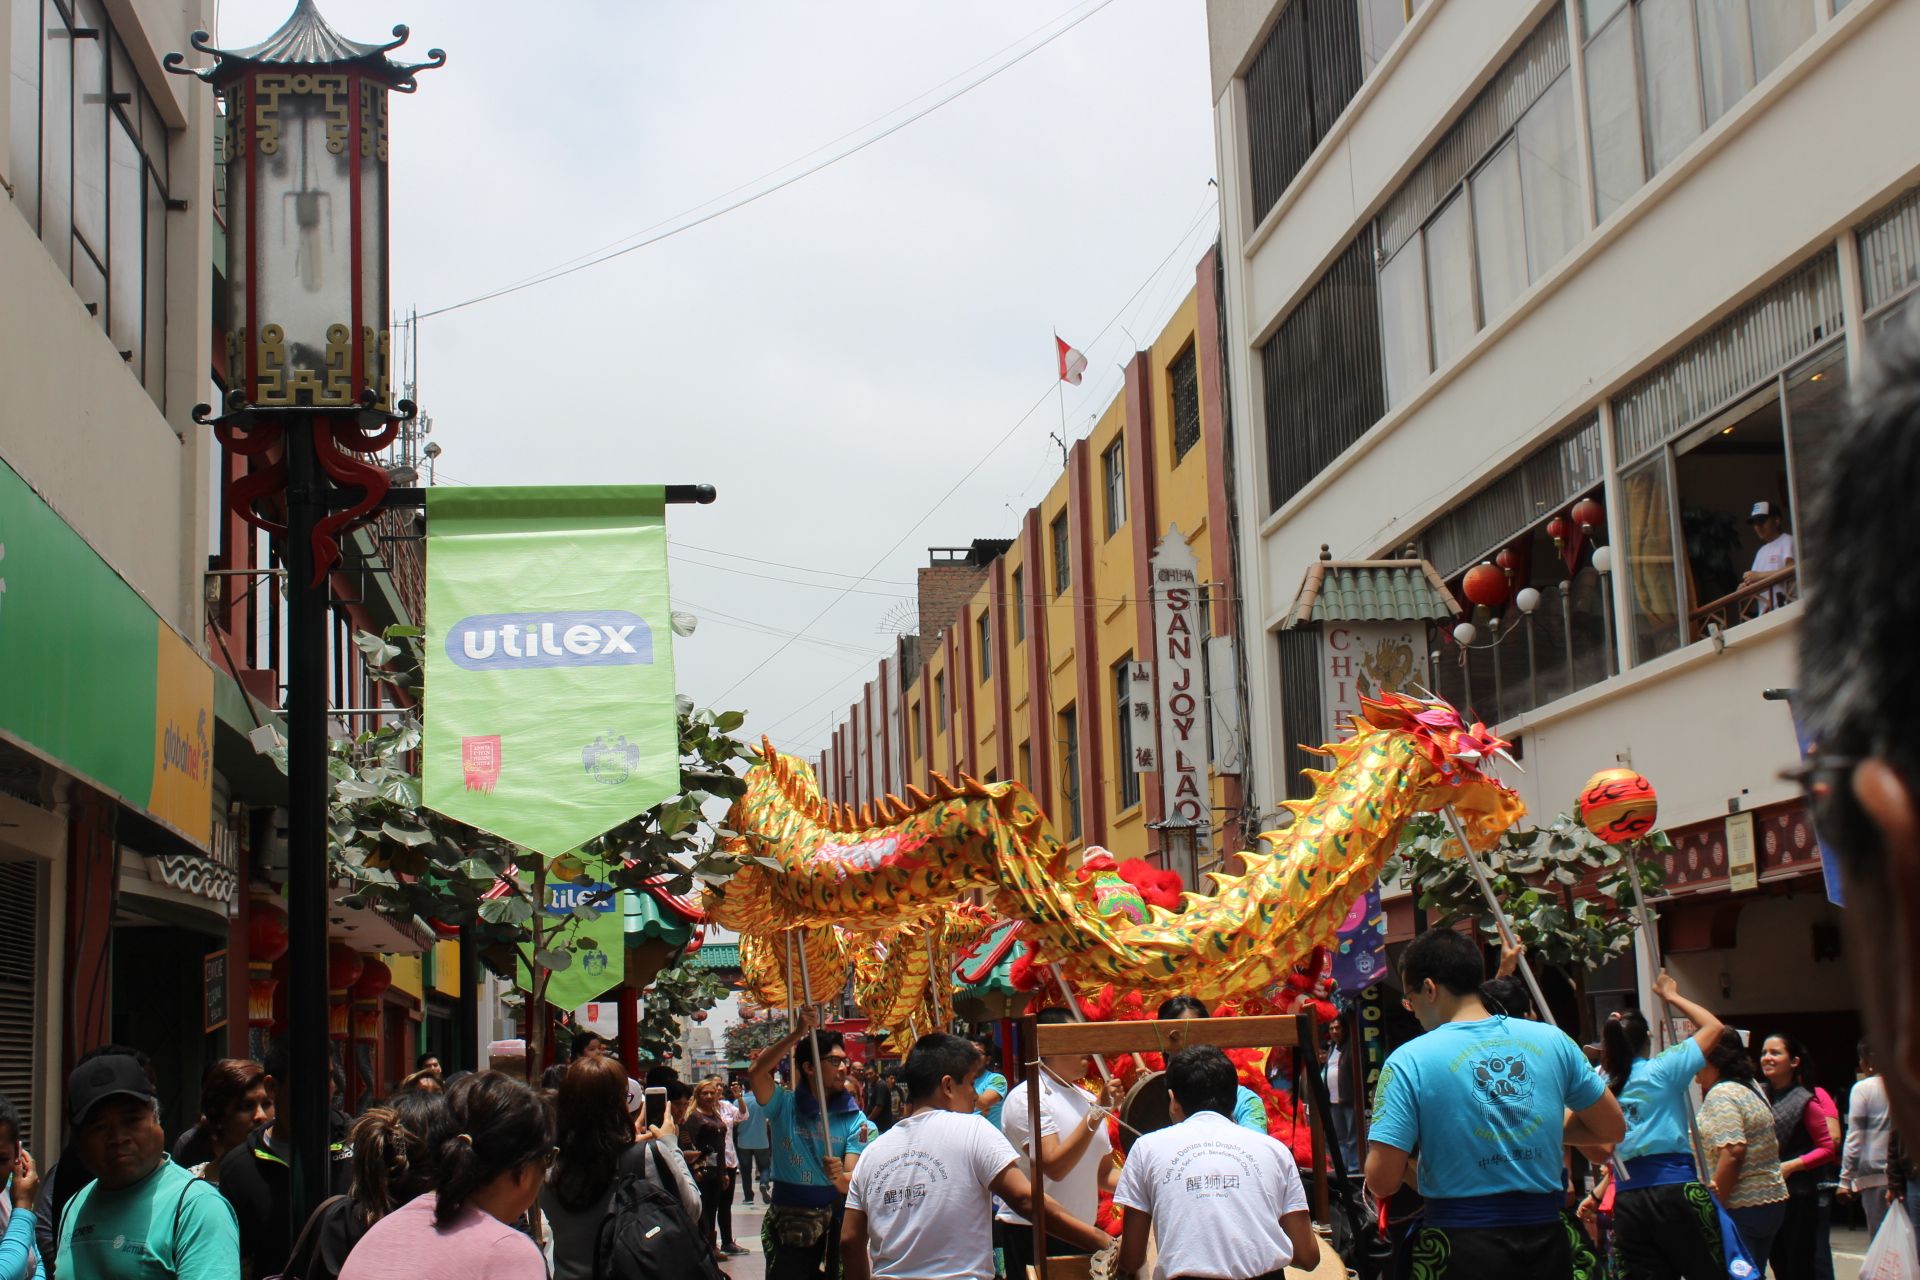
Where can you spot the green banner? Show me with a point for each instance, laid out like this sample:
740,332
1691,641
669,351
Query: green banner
550,712
600,961
92,678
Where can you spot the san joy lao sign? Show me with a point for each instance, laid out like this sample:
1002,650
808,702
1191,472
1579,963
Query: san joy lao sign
1177,629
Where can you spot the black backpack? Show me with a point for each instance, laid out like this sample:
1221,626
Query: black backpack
647,1235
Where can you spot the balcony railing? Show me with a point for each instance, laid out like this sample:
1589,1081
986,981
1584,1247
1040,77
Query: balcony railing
1763,594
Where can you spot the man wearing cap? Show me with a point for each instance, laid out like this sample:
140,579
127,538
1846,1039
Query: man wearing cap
1775,554
143,1215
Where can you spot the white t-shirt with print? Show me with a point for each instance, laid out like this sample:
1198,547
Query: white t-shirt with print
923,1186
1771,558
1061,1108
1216,1192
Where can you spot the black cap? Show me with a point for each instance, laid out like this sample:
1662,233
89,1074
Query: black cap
111,1075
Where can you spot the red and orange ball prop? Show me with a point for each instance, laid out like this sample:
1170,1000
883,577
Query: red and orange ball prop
1618,805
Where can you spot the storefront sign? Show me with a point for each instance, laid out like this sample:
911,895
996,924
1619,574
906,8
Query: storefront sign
1182,715
213,988
1362,659
1743,867
1223,705
1146,725
95,680
549,658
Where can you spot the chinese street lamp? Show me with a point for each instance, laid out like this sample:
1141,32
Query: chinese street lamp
310,396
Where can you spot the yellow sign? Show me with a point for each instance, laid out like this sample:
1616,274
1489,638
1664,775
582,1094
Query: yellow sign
1743,871
182,794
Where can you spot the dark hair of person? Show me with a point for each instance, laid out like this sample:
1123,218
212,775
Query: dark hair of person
1507,996
277,1061
584,1040
396,1151
1202,1078
933,1058
226,1082
1864,1052
500,1125
1804,1074
1623,1038
1855,689
1182,1007
1054,1017
9,1120
553,1075
660,1077
825,1042
1451,960
420,1063
984,1042
1729,1057
592,1129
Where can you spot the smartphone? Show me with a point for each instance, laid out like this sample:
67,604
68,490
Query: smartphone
656,1106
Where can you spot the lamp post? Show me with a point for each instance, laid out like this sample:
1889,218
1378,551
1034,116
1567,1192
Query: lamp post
1603,565
1467,636
310,395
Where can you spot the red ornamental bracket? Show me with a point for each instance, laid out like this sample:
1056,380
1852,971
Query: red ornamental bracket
260,496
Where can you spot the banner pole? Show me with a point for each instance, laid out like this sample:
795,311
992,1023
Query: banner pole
813,1042
1499,914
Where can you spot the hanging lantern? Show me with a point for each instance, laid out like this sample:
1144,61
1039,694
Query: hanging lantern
1618,805
1558,529
1589,515
1509,562
266,932
373,981
1485,585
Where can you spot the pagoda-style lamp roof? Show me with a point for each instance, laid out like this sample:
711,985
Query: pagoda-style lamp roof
307,39
1404,590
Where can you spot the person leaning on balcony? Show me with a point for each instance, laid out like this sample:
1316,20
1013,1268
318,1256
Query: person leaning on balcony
1775,553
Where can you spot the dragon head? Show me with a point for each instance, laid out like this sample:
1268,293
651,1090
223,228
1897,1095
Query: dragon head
1450,743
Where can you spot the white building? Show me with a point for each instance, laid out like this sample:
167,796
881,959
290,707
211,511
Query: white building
1488,259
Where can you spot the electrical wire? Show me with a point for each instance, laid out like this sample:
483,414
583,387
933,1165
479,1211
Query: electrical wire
674,226
780,564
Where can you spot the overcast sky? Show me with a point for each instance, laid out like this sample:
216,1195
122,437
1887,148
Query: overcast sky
832,357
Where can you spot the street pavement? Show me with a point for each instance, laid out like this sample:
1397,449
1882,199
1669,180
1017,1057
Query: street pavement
746,1233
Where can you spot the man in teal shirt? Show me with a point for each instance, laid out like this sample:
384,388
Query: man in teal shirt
1484,1100
143,1216
1248,1111
802,1225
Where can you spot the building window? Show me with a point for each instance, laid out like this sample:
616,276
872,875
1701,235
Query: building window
1734,420
1062,555
1183,382
1070,771
1381,22
940,701
1024,758
1890,260
1695,60
90,172
1113,469
983,634
1492,208
913,730
1128,777
1321,374
1300,80
1301,711
1019,605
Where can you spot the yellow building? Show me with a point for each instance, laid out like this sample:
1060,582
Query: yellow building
1023,671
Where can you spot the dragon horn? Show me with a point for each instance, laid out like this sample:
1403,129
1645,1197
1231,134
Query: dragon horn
973,785
919,798
866,815
897,810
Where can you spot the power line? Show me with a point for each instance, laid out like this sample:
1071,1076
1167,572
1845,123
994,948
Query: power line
674,226
781,564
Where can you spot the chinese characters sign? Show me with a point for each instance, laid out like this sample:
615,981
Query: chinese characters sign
1177,654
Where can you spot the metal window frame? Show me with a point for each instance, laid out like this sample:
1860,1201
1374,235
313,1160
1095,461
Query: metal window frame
1113,476
1126,778
1060,532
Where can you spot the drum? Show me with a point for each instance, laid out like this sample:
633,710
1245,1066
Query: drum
1147,1106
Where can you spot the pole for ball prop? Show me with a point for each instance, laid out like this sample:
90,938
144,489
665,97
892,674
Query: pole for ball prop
1073,1007
1499,913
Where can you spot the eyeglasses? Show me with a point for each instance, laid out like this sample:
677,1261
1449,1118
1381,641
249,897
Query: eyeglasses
839,1058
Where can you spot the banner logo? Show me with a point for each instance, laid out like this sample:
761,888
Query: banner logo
480,760
529,641
611,763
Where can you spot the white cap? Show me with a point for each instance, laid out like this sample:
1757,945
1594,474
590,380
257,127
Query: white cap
1761,510
636,1097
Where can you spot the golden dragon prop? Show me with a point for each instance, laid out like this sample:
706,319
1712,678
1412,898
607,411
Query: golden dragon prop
872,886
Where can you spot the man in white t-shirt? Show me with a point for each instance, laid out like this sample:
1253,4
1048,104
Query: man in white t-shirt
1223,1201
1775,553
1075,1151
921,1202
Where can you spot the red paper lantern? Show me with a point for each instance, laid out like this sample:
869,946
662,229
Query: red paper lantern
266,932
373,982
1485,585
699,1015
343,966
1589,514
1618,805
1558,529
1508,560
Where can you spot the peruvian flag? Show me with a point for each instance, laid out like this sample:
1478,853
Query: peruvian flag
1073,365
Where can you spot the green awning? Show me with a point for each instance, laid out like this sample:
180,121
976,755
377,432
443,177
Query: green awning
716,956
647,921
1371,591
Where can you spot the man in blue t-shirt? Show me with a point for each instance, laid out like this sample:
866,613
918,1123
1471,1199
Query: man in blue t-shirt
802,1225
1484,1100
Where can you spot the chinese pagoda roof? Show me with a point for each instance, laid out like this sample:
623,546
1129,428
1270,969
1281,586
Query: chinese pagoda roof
307,39
1371,591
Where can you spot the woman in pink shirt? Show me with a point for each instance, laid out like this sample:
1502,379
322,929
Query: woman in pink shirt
1807,1124
490,1175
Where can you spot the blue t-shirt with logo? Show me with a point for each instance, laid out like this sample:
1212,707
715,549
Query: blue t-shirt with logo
799,1168
991,1081
1248,1111
1484,1104
1655,1103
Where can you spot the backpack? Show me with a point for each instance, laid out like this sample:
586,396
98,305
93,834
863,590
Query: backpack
647,1235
